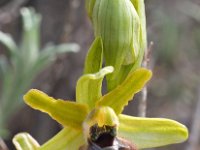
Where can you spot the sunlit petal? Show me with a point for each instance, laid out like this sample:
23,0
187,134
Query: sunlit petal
65,112
151,132
88,89
119,97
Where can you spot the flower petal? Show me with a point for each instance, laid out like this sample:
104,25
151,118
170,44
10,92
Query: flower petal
120,96
94,58
65,112
151,132
88,89
23,141
67,139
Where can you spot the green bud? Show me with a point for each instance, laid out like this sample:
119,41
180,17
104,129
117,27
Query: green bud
117,23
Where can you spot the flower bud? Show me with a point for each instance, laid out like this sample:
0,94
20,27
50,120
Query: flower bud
118,25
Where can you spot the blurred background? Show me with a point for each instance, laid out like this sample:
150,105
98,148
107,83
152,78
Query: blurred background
174,91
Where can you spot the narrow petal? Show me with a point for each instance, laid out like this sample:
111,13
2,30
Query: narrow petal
119,97
23,141
151,132
66,139
94,58
88,89
65,112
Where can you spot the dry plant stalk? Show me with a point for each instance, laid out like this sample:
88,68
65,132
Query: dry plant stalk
3,145
195,129
143,102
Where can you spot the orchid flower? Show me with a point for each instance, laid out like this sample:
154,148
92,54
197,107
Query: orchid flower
95,120
94,115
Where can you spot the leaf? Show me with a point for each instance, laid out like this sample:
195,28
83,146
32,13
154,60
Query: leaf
23,141
94,58
3,66
151,132
119,97
65,112
67,139
49,54
61,48
31,33
7,41
4,133
88,89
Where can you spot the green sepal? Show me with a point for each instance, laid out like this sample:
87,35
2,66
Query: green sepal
89,7
119,97
64,112
140,8
67,139
24,141
94,58
88,89
151,132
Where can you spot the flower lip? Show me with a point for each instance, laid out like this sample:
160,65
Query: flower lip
96,132
116,143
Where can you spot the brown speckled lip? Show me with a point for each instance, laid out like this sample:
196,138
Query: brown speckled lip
105,138
118,144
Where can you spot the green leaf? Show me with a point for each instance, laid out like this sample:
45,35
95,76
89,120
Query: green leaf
4,133
151,132
59,49
65,112
31,33
49,54
88,89
94,58
7,41
67,139
23,141
3,66
119,97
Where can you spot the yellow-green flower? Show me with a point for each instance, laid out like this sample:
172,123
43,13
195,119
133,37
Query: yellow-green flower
93,114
